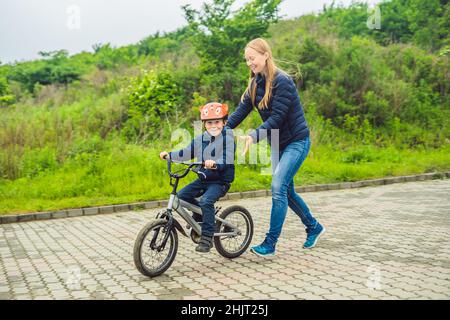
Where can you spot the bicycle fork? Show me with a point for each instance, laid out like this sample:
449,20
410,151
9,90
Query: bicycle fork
167,227
166,230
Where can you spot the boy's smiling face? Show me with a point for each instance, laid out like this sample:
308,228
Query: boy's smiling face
214,127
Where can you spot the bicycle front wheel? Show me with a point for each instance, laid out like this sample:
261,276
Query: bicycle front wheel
151,257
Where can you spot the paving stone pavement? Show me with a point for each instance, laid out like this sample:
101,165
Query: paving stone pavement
386,242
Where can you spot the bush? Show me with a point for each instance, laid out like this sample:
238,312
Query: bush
6,96
315,59
153,98
108,57
38,161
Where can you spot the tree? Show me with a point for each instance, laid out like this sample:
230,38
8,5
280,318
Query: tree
219,37
158,43
425,23
56,67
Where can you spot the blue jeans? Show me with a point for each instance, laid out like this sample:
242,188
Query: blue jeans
210,193
283,193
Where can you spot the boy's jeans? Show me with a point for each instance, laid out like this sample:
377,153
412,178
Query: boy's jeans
283,193
210,192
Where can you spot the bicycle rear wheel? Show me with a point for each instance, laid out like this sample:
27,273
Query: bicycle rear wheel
150,257
233,246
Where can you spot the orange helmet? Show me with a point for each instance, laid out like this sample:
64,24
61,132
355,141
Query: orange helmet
214,111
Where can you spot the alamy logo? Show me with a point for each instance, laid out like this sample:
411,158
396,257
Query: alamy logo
73,278
74,17
374,278
374,20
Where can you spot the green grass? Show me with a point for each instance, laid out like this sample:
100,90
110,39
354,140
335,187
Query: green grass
130,173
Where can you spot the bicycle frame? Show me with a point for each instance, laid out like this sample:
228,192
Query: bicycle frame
180,206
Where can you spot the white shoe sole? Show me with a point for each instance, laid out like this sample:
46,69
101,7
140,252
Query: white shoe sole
262,255
317,239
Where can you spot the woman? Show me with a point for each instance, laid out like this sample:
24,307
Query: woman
275,96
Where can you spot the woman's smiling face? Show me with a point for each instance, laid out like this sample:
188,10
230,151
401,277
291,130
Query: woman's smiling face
255,60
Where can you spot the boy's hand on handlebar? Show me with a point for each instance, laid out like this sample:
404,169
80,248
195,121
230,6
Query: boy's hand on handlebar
210,164
163,155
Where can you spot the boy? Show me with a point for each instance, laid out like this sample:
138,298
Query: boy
216,148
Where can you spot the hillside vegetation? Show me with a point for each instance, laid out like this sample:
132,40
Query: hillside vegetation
86,129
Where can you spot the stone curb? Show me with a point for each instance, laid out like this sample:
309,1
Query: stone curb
230,196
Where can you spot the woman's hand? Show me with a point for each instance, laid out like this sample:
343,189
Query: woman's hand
248,142
210,164
163,155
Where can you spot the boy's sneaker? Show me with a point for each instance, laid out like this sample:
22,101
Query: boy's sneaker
313,236
265,249
205,244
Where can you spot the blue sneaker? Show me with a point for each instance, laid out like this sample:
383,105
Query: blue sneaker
313,236
264,249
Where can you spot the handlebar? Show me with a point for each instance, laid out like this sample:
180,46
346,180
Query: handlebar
189,164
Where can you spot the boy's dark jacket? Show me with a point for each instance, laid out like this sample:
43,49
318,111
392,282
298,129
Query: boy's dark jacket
221,149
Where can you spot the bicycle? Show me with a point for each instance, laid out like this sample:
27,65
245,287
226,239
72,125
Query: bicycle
156,245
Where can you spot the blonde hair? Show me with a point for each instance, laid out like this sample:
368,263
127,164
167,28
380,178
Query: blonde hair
261,46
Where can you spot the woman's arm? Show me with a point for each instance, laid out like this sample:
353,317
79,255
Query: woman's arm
242,111
280,105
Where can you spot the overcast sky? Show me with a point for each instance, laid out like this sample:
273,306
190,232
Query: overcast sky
30,26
